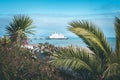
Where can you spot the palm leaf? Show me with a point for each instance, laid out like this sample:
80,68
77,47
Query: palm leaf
93,37
74,58
117,30
112,70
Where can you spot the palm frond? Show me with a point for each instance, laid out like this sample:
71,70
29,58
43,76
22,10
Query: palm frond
74,58
93,37
117,30
112,70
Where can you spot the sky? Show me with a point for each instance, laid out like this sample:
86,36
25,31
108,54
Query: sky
55,15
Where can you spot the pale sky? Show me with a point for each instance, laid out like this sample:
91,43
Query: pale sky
54,15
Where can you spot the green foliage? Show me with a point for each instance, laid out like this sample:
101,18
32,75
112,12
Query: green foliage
80,60
93,37
73,56
101,63
19,64
117,30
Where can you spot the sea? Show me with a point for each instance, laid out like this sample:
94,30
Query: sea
69,42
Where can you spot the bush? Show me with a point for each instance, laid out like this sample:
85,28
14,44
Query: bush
19,64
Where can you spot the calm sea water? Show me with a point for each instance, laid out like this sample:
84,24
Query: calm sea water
70,41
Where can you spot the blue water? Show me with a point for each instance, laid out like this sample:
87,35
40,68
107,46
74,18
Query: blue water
112,42
70,41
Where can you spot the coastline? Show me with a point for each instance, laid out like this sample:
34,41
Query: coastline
69,42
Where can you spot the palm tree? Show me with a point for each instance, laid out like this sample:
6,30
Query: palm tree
100,62
19,28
